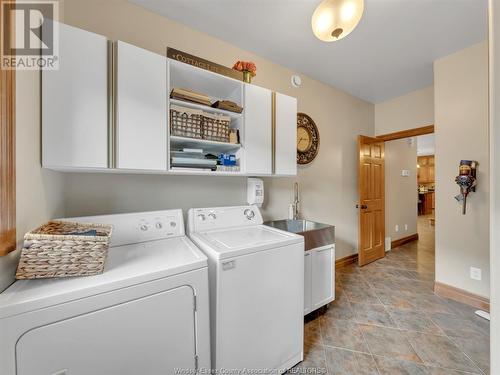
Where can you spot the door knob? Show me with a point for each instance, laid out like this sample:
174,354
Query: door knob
363,206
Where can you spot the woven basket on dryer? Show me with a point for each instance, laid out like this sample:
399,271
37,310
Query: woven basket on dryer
64,249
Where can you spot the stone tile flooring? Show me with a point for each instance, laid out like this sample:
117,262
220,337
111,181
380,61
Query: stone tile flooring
386,320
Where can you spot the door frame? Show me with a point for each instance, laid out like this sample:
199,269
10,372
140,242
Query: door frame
494,117
414,132
7,155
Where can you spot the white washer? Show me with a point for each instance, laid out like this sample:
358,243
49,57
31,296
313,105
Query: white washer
146,314
256,276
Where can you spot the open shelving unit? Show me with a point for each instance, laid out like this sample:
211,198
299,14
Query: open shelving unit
217,87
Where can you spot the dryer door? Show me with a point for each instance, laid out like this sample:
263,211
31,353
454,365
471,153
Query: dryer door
151,335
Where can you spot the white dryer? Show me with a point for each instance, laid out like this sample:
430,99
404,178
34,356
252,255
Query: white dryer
146,314
256,276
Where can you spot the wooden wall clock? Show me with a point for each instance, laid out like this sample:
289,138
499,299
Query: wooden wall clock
307,139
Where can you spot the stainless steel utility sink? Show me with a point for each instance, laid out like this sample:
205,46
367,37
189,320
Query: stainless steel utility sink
315,234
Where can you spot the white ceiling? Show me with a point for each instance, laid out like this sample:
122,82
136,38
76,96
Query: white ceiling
389,54
426,145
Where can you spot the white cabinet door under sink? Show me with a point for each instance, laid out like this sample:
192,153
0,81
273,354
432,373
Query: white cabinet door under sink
286,135
141,100
319,278
258,130
75,102
323,277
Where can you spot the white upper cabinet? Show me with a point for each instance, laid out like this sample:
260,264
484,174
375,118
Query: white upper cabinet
258,130
286,135
75,103
141,112
107,108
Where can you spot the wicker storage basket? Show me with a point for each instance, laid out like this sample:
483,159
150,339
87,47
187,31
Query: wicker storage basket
216,127
64,249
186,122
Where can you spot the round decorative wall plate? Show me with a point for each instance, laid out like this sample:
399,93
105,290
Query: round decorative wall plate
307,139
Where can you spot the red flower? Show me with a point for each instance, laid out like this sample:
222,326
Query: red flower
245,66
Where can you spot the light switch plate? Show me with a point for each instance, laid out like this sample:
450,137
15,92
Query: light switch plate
475,273
405,173
396,228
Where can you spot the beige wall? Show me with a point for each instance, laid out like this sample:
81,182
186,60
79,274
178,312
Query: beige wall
38,192
400,192
461,119
409,111
495,182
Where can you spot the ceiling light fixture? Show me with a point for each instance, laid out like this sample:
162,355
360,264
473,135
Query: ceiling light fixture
335,19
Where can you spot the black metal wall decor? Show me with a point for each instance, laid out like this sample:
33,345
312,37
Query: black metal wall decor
467,180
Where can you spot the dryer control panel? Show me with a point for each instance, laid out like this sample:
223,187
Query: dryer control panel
202,219
141,226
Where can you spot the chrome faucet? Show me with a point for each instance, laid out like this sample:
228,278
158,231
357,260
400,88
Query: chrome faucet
296,201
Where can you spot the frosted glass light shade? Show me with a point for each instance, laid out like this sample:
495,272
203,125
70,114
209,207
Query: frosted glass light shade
335,19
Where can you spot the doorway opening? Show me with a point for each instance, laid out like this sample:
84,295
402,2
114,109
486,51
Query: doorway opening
426,187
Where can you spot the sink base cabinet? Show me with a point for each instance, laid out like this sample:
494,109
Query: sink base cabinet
319,277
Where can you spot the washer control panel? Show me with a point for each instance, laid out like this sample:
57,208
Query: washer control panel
201,219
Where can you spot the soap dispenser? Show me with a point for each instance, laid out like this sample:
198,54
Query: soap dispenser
255,191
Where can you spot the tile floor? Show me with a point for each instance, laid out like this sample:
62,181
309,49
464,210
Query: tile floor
386,320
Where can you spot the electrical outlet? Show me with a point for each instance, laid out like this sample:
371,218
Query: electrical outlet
396,228
406,227
475,273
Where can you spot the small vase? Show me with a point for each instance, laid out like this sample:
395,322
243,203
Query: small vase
247,76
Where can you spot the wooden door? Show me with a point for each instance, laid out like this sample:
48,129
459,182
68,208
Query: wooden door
371,205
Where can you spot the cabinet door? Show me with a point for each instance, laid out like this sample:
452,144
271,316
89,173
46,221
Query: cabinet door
75,102
258,130
323,277
286,135
431,173
307,282
141,99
